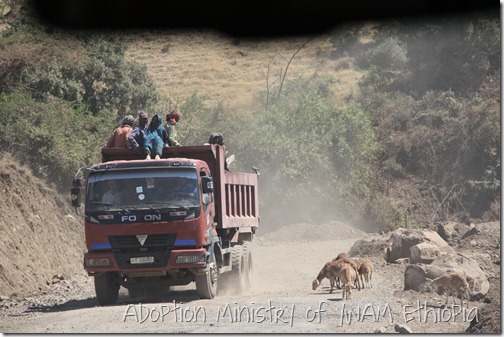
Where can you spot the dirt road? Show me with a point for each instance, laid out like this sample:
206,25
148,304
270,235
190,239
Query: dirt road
281,301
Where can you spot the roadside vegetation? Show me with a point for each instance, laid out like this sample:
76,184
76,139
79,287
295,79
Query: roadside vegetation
419,144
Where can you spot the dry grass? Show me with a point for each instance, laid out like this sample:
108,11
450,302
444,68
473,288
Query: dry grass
235,71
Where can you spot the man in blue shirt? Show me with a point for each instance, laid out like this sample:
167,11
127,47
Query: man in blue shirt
136,137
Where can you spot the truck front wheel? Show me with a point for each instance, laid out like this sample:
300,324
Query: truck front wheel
106,288
206,284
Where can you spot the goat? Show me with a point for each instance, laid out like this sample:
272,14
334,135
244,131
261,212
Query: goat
353,264
358,264
343,257
348,277
340,256
366,273
453,281
331,270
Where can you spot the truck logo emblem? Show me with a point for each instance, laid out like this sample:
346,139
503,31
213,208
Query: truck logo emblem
142,239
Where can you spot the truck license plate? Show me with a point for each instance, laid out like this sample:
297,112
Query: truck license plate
142,259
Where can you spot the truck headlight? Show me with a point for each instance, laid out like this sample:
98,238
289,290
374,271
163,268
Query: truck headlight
190,259
101,262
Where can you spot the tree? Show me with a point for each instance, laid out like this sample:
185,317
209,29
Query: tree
311,154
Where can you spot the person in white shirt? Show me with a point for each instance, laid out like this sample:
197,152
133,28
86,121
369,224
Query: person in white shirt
112,196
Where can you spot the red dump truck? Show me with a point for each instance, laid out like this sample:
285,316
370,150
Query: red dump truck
152,224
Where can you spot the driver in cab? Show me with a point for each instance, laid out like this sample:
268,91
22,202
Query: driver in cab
112,196
185,186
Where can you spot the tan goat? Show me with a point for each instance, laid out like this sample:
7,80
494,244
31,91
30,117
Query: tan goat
366,273
331,270
348,277
343,257
454,282
358,264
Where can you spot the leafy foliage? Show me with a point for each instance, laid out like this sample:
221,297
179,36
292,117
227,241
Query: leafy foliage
53,138
452,53
86,69
438,120
308,149
113,83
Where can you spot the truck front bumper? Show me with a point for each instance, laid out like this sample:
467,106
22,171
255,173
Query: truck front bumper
173,259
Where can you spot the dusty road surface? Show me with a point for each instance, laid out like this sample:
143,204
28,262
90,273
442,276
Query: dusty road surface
281,299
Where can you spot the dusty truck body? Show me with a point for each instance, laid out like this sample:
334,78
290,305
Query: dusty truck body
171,221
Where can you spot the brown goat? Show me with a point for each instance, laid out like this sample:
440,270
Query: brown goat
348,277
353,264
343,257
325,272
340,256
357,263
331,270
454,282
366,273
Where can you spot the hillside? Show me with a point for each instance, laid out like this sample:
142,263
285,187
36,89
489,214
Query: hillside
42,238
233,71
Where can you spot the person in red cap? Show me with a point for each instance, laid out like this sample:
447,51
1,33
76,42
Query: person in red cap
172,118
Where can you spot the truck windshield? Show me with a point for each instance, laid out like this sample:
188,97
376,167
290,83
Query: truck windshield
139,189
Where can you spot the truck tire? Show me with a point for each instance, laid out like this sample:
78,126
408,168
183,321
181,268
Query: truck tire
106,288
206,284
247,265
237,277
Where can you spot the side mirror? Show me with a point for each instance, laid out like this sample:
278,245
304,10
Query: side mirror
76,196
77,182
207,184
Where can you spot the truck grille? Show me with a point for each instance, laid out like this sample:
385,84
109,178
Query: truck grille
124,247
131,241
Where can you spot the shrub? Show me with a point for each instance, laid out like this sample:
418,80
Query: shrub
53,138
309,151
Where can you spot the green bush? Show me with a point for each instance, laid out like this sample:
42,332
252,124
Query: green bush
54,138
83,69
310,152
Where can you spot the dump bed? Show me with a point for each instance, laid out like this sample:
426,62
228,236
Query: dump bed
236,195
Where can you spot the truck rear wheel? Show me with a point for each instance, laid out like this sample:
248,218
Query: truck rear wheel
237,275
247,265
206,284
106,288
